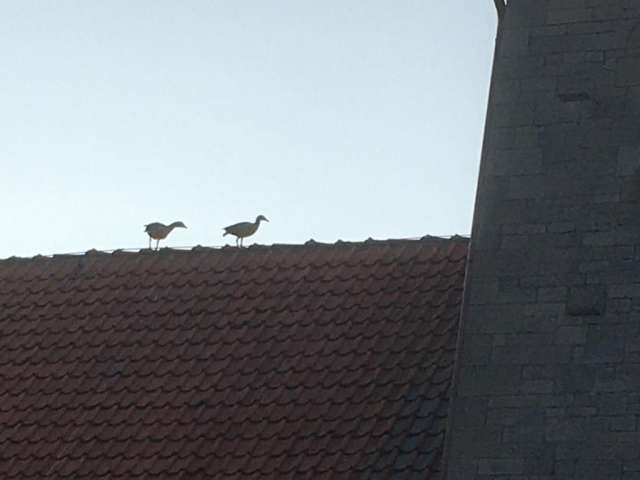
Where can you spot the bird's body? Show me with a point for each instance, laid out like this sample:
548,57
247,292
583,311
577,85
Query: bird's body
243,229
159,231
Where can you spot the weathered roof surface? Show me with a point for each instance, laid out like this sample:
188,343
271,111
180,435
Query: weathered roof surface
311,361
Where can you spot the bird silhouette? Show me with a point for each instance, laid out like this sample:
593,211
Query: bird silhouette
159,231
243,229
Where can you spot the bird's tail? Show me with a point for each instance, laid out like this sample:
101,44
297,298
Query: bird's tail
225,234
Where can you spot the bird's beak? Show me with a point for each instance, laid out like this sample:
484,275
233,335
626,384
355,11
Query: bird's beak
266,219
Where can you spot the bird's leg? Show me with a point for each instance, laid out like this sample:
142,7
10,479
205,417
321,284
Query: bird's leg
237,245
149,243
157,244
241,242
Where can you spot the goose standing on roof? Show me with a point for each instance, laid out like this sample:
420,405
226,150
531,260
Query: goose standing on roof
159,231
244,229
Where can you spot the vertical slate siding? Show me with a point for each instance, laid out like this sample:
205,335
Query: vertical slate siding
548,379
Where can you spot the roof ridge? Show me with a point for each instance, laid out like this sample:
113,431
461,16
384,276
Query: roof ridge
229,248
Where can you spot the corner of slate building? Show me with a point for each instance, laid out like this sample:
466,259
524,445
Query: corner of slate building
548,371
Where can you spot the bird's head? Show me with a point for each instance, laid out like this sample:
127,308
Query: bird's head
259,218
178,225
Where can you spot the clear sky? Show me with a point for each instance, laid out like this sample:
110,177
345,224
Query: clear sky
335,119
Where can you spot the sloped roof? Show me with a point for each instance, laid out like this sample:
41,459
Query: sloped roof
310,361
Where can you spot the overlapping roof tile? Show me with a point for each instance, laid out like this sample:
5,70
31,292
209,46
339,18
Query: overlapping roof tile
310,361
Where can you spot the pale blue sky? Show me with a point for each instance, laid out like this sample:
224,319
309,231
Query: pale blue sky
335,119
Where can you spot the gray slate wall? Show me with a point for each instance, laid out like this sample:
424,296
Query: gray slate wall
548,380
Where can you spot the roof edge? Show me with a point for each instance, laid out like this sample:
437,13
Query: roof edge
311,243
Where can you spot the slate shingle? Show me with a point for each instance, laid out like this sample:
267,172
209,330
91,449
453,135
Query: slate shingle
313,361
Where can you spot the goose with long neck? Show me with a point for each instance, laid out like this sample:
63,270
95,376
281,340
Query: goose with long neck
244,229
159,231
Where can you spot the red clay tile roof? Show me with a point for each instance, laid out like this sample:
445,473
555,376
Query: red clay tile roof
312,361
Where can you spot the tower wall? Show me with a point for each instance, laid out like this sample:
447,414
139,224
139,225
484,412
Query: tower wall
548,374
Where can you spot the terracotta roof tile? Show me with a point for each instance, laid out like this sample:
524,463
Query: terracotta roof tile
311,361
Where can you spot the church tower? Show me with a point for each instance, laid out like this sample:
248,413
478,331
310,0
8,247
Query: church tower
548,375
